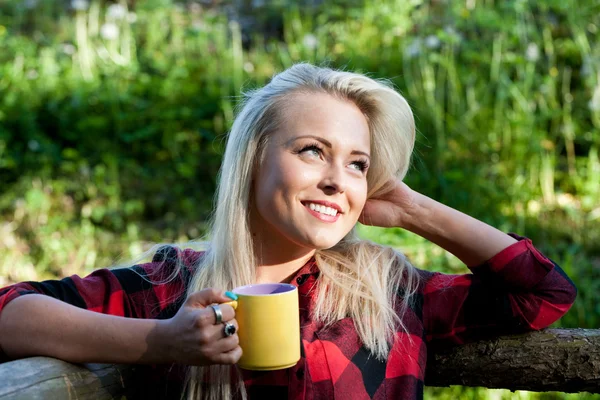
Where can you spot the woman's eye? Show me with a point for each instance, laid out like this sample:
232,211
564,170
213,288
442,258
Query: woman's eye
360,165
312,150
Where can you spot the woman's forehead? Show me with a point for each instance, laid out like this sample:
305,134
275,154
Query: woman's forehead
320,114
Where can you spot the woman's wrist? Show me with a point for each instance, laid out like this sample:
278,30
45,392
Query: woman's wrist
415,217
469,239
159,349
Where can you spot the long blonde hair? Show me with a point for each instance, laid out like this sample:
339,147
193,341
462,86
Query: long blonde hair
358,279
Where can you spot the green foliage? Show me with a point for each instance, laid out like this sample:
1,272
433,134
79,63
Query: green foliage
112,121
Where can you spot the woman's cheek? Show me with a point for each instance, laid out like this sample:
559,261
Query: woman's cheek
359,196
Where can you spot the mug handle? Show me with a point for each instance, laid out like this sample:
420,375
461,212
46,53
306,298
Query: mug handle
232,303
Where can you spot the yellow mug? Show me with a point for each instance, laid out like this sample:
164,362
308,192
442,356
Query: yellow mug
269,326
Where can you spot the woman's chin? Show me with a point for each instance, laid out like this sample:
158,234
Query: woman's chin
324,240
323,243
317,239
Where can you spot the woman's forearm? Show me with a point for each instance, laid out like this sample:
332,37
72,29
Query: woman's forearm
469,239
37,325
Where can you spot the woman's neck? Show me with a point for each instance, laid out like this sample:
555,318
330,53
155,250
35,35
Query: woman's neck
278,258
274,267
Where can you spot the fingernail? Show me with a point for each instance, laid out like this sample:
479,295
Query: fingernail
231,295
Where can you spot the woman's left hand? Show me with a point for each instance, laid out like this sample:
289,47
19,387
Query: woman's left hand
391,208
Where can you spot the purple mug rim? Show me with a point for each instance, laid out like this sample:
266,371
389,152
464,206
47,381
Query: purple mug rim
288,286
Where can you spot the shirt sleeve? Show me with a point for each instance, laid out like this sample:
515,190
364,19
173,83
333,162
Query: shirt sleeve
517,290
151,290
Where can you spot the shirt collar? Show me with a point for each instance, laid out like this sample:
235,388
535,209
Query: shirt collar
309,268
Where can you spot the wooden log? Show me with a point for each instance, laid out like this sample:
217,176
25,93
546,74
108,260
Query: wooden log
41,378
566,360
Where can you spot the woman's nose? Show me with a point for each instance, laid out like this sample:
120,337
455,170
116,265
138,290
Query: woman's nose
333,180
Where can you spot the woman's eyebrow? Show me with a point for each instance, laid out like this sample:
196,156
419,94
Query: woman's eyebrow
328,144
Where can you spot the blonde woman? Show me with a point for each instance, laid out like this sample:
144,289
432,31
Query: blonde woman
309,155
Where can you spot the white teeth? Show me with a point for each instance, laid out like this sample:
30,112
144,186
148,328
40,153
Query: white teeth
322,209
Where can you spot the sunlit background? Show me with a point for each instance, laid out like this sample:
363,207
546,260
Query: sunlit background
113,116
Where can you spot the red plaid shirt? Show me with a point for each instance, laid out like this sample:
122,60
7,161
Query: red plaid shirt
517,290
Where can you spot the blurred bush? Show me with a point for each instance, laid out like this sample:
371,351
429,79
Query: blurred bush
113,118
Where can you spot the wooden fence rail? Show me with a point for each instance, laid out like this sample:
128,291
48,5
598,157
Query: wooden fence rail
566,360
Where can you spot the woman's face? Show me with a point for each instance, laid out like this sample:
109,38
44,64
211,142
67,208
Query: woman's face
312,184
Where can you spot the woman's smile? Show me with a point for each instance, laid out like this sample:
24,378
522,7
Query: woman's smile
323,210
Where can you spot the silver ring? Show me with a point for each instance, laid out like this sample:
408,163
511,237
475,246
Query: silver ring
218,313
228,329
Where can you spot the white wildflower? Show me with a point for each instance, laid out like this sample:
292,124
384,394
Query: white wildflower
453,34
450,30
86,211
195,8
33,145
310,41
68,48
586,67
29,4
80,5
413,49
132,17
594,103
116,12
432,42
248,67
594,214
32,74
566,200
109,31
532,53
198,26
84,170
397,31
533,207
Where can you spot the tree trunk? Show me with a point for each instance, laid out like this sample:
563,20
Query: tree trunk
566,360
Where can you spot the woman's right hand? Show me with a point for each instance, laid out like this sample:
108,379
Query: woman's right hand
193,338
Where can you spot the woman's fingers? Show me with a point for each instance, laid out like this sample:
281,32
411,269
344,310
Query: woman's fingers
231,321
227,344
214,332
230,357
205,297
220,348
208,316
199,327
227,312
